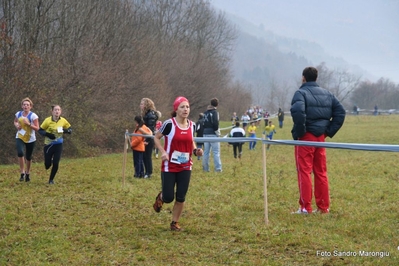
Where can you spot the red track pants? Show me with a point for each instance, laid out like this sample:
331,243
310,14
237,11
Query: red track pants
310,159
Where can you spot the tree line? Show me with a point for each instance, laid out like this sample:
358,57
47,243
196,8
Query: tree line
97,59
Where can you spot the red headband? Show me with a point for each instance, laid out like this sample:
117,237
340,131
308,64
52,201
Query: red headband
178,101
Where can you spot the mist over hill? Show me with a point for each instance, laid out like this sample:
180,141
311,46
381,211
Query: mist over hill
261,55
360,36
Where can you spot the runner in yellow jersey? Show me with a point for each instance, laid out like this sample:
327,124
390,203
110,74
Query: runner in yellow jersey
53,128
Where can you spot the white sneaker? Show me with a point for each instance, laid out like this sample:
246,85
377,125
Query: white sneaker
300,211
321,211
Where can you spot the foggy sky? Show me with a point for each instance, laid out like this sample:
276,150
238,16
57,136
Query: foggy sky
362,32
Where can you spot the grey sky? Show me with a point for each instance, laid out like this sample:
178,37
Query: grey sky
362,32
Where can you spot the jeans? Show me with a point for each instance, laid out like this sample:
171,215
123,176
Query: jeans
215,146
252,144
138,163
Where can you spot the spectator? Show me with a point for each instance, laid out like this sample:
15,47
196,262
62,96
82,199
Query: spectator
237,132
280,116
138,147
375,109
150,118
354,109
316,114
211,130
199,128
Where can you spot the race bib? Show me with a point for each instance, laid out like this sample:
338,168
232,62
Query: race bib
180,157
60,130
22,132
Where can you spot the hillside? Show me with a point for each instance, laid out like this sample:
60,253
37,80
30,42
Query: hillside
261,55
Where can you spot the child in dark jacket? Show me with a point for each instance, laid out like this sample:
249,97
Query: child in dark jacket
237,132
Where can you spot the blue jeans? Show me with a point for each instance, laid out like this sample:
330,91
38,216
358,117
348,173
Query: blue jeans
138,163
215,146
252,144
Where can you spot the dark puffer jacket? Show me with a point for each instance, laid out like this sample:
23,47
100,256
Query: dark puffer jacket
150,120
315,110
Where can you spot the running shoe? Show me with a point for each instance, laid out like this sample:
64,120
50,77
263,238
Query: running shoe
158,202
300,211
174,226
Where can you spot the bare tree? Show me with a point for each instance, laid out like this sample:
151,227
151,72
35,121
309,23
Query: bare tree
99,58
340,81
384,93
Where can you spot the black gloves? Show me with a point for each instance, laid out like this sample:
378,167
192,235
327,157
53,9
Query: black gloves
50,136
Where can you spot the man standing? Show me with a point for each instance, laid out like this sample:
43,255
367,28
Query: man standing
316,114
280,117
211,129
199,128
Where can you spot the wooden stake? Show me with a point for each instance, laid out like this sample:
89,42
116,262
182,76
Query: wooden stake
125,147
265,181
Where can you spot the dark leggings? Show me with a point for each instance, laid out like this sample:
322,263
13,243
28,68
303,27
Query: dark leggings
237,146
52,156
28,146
148,156
169,180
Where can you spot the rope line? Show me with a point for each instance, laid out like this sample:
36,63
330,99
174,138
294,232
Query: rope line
333,145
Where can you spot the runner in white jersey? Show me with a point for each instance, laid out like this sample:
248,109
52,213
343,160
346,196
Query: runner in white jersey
26,122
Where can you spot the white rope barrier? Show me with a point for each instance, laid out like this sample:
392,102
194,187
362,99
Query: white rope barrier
334,145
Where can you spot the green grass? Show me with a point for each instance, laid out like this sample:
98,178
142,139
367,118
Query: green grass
89,218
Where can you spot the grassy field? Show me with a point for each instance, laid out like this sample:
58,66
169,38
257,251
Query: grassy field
89,218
